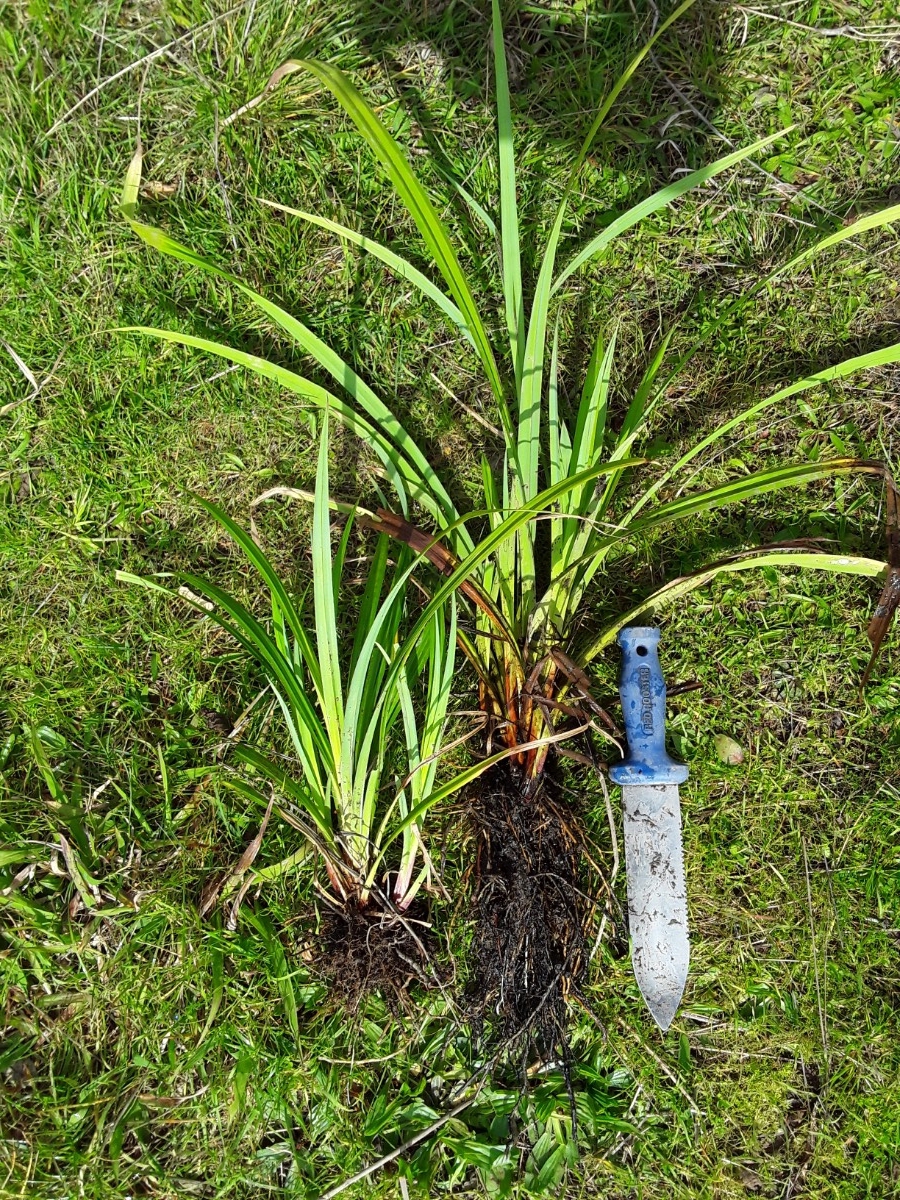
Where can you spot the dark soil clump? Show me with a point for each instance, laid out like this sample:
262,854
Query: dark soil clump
366,948
529,950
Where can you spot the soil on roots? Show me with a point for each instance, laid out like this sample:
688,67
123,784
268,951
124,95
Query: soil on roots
529,949
366,948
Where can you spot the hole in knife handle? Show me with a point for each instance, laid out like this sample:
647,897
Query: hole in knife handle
642,651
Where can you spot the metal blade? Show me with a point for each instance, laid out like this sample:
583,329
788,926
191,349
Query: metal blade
657,905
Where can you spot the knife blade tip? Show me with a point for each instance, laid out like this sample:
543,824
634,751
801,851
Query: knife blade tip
662,997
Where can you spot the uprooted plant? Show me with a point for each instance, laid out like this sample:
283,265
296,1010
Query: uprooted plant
358,791
527,593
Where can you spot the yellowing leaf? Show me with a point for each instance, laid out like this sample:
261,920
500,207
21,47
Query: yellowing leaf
728,750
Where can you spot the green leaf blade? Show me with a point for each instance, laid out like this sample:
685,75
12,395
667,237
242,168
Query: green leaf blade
325,608
660,199
511,252
420,207
676,589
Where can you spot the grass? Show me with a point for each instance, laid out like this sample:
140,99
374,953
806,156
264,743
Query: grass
147,1050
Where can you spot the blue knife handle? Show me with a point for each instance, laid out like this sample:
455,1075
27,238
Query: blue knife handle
642,689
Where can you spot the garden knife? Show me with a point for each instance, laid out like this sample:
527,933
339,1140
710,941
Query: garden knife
654,859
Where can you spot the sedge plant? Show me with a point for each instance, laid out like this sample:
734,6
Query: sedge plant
364,742
528,599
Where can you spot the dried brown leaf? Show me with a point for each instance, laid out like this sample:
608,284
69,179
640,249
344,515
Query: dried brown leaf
442,559
579,677
247,858
153,189
889,599
210,893
274,79
231,920
88,893
154,1101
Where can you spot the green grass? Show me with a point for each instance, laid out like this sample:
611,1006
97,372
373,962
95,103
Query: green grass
146,1050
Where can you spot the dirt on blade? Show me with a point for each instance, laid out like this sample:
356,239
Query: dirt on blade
530,912
366,948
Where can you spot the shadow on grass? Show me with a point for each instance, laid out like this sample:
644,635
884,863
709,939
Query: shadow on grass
560,65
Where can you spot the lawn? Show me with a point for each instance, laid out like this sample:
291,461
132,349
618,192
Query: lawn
146,1050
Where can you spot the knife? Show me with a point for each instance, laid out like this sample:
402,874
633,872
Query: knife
654,858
